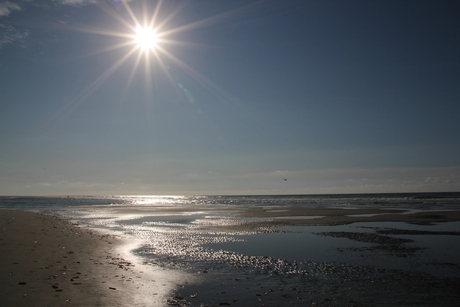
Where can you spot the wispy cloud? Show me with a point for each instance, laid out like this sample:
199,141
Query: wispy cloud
77,2
7,7
9,34
84,2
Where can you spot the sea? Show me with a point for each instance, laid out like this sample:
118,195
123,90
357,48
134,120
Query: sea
422,201
200,235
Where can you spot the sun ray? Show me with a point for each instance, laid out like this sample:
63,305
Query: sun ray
107,49
208,21
169,17
164,67
133,70
144,36
76,101
119,17
205,82
153,20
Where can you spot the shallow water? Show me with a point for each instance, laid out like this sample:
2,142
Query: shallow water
293,245
302,243
194,240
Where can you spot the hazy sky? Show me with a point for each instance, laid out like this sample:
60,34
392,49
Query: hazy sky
334,96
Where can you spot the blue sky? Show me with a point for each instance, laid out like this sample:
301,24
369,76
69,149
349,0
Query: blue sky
334,96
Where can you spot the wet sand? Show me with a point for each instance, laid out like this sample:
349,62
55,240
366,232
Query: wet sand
333,216
46,261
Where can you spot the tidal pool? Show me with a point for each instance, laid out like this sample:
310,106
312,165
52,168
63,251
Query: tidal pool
434,252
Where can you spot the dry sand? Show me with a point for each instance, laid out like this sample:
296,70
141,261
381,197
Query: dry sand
46,261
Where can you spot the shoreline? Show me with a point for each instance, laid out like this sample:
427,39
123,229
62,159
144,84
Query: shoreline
48,261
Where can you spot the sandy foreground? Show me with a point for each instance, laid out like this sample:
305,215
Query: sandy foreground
46,261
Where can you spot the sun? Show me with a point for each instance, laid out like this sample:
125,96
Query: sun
145,38
145,34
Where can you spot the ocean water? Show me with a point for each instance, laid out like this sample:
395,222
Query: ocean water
199,235
415,201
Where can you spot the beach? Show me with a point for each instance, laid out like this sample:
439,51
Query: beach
51,261
47,261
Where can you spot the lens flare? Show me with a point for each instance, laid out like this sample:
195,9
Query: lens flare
149,32
145,38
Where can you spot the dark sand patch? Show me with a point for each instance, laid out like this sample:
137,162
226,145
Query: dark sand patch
329,216
392,245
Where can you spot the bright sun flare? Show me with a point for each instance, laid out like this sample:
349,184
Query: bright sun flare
145,38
